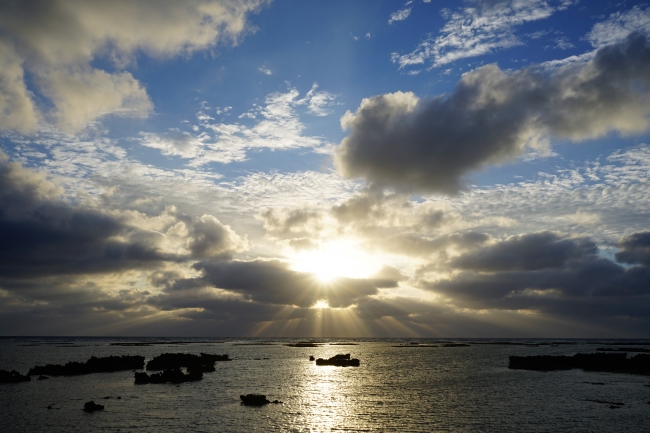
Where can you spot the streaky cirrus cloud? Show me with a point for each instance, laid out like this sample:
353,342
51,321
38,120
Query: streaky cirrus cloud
480,28
57,41
491,117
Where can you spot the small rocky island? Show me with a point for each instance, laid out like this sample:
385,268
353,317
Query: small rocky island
256,400
203,363
339,361
605,362
170,375
12,377
93,365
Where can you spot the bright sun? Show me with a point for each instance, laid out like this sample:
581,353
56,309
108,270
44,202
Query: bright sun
335,259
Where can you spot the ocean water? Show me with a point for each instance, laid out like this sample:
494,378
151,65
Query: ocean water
423,389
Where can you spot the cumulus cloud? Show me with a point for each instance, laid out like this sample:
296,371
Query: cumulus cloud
481,28
490,117
273,282
44,235
635,249
57,41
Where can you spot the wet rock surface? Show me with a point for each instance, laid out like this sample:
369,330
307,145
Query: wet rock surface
93,365
256,400
605,362
198,363
91,406
13,377
170,375
339,361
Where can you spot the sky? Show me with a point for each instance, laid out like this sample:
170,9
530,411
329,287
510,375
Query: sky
366,168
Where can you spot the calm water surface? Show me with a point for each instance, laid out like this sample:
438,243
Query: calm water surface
455,389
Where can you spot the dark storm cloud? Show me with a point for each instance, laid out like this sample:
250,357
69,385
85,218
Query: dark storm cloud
635,249
526,253
41,235
272,282
544,272
491,116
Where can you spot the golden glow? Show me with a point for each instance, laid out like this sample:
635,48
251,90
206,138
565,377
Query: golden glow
321,304
341,258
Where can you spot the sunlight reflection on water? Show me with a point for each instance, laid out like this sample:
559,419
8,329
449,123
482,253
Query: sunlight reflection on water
395,389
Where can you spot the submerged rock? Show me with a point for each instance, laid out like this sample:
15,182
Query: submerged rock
254,400
91,406
13,377
202,363
93,365
339,361
170,375
606,362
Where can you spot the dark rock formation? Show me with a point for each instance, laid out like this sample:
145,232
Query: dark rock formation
170,375
455,345
607,362
91,406
203,363
13,377
339,361
93,365
311,358
254,400
303,344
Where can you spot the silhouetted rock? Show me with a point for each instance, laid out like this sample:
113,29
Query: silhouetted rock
455,345
13,377
339,361
93,365
311,358
91,406
303,344
42,377
254,400
607,362
170,375
202,363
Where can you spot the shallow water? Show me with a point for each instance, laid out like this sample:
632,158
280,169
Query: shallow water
459,389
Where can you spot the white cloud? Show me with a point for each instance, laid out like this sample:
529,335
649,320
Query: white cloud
57,40
619,25
484,27
400,15
265,71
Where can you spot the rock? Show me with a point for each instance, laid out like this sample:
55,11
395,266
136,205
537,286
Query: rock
49,407
119,398
91,406
41,377
303,344
13,377
93,365
311,358
170,375
203,363
456,345
254,400
339,361
606,362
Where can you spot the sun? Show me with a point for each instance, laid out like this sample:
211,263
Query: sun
335,259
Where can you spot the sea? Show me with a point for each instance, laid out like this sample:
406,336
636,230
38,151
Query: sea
400,386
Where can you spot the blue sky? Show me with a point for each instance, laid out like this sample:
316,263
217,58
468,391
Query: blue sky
366,168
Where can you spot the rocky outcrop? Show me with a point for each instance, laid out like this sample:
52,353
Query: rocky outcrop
339,361
256,400
200,363
93,365
13,377
170,375
91,406
605,362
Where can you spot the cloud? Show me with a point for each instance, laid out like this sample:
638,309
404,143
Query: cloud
57,42
265,71
43,235
619,25
482,28
635,249
273,282
491,117
277,127
400,15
